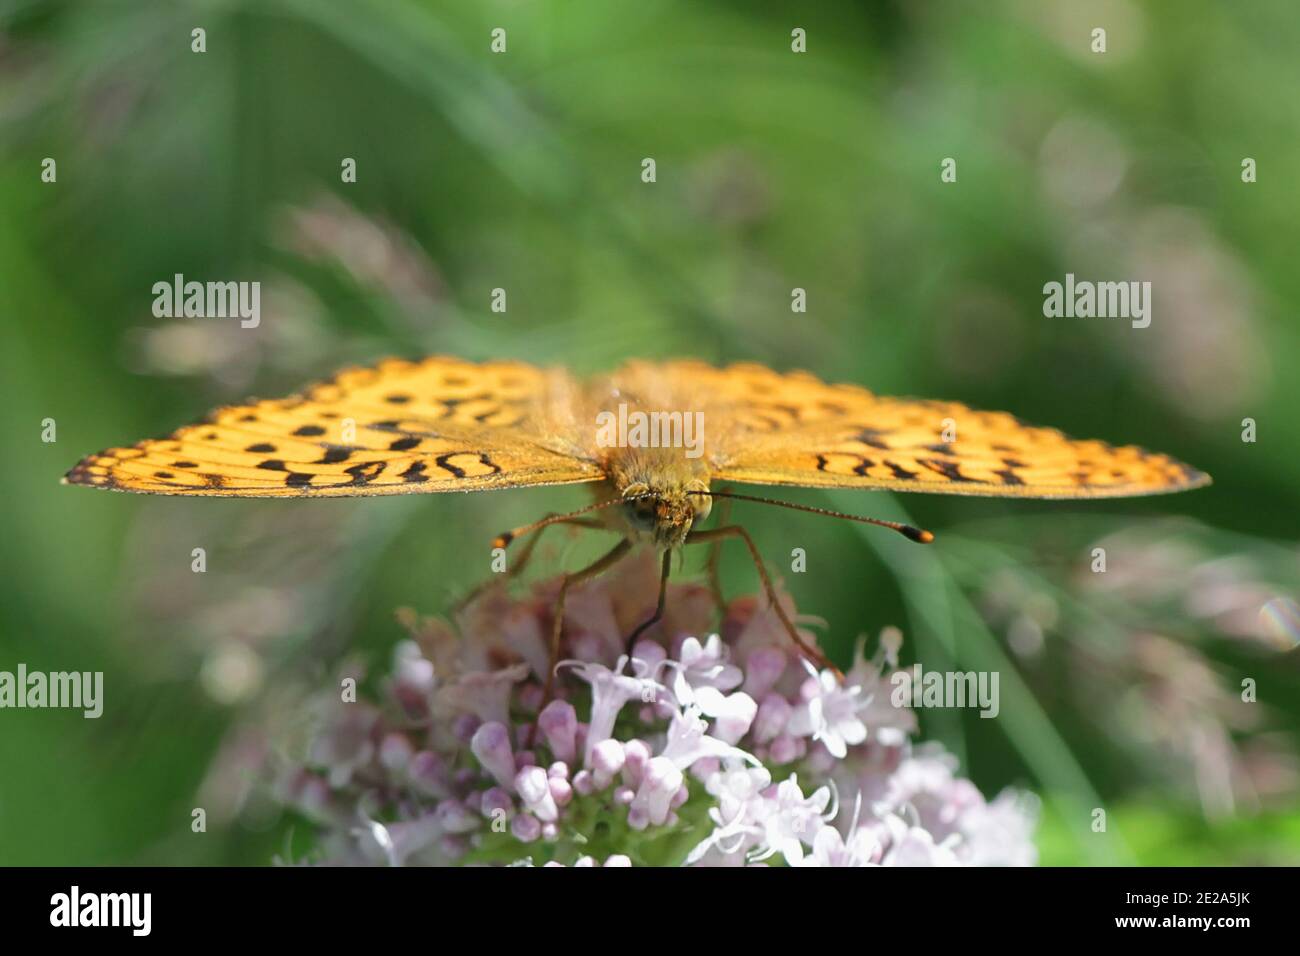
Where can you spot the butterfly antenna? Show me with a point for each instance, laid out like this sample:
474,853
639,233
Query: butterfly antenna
503,540
919,535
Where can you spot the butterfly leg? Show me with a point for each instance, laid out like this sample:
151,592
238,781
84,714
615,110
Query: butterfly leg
657,616
715,557
736,531
516,567
601,564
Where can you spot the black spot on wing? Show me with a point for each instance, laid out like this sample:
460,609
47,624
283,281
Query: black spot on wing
860,468
335,454
395,427
949,469
456,402
415,474
366,472
444,462
871,437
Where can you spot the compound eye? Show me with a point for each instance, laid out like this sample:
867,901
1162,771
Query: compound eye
640,506
642,513
700,504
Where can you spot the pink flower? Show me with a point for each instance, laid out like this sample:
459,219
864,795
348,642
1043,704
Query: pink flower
830,712
831,848
610,690
793,820
654,798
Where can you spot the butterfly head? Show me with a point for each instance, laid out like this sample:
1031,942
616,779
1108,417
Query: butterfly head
664,515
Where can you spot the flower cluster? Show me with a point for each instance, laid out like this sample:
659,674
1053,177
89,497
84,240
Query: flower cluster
726,749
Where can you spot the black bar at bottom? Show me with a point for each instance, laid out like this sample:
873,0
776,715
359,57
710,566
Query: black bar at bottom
304,905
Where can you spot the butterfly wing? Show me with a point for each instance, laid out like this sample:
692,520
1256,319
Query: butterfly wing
439,424
793,429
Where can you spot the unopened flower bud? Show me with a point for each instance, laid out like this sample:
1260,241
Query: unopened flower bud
559,726
491,745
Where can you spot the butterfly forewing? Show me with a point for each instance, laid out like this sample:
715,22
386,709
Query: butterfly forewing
440,424
793,429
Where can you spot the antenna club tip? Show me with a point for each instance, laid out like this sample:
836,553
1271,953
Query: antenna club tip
919,535
502,541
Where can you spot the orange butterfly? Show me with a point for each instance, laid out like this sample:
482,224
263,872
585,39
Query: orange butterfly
651,436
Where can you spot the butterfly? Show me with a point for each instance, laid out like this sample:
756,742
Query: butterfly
652,438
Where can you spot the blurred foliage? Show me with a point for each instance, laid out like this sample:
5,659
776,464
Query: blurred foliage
1159,835
522,171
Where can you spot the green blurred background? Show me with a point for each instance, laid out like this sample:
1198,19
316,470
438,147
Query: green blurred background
775,170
